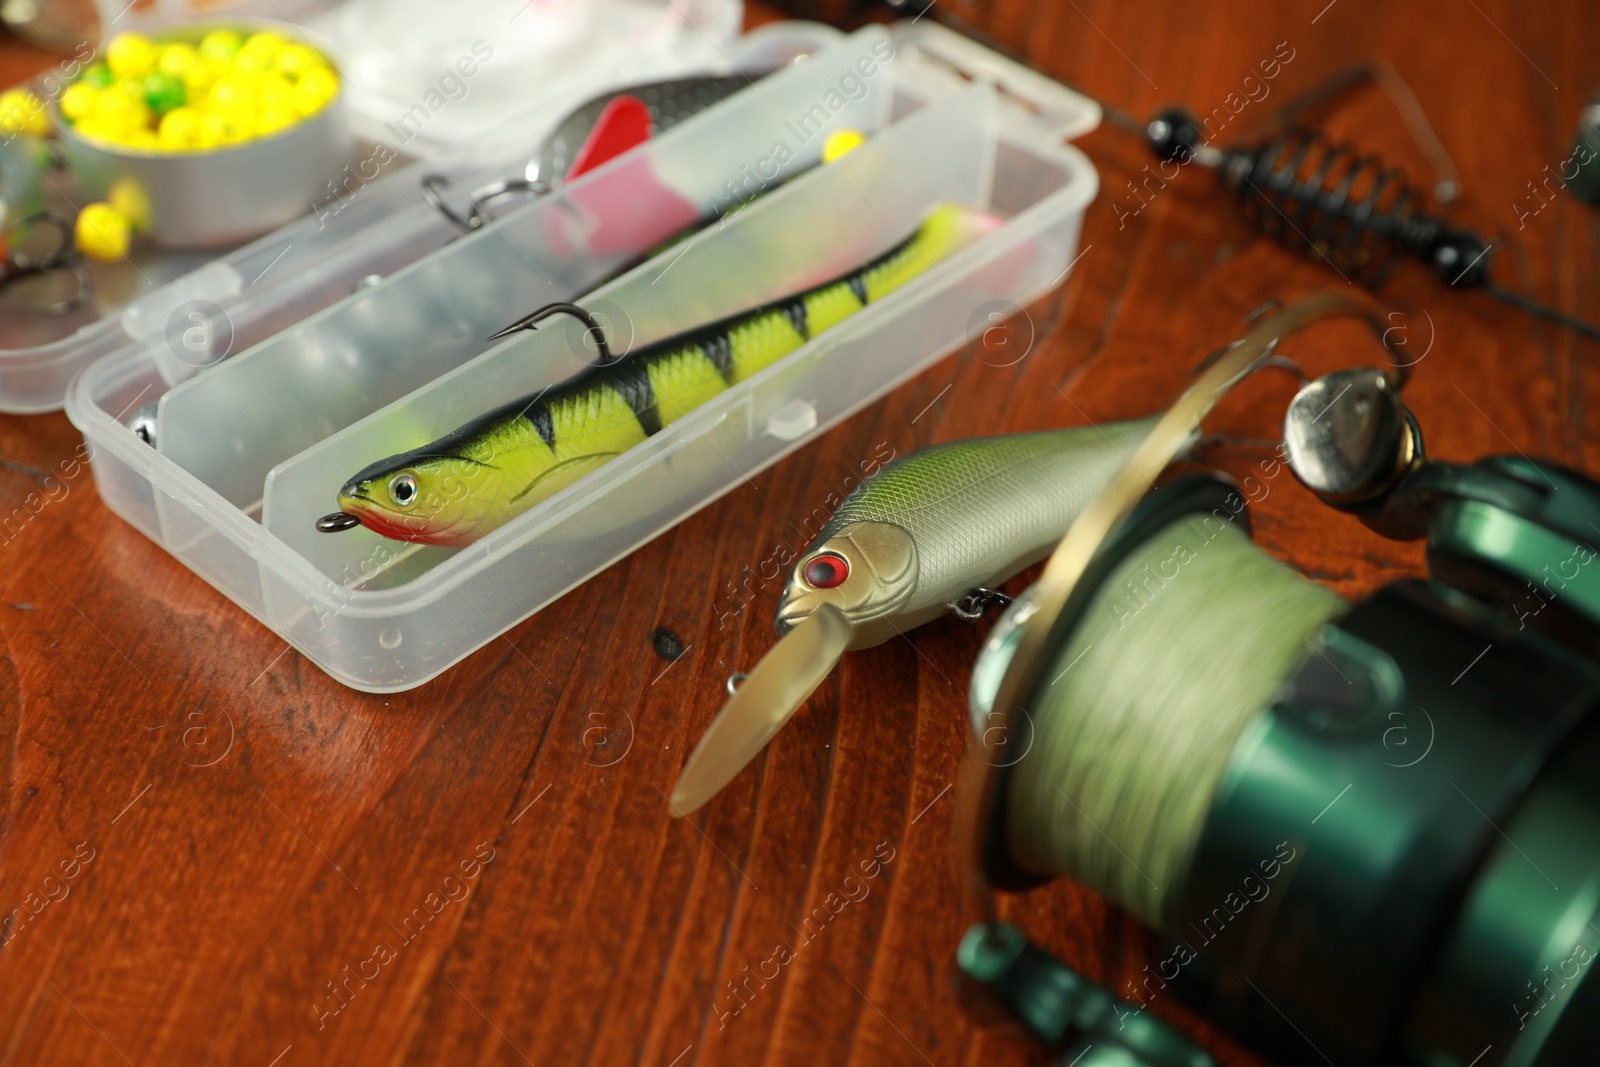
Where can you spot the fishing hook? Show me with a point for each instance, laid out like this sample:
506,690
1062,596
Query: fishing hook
529,322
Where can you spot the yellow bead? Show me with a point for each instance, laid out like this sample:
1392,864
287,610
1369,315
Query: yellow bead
296,59
233,92
88,130
130,55
203,74
117,112
274,92
141,139
78,101
180,129
220,45
221,127
178,59
841,143
129,199
253,63
102,232
207,135
314,90
260,52
23,112
131,89
273,119
266,42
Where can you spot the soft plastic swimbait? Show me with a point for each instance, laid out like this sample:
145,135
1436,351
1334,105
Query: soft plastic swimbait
457,489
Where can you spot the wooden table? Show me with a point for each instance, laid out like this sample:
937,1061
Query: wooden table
245,835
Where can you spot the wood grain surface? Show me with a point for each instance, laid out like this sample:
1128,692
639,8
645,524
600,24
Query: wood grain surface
484,869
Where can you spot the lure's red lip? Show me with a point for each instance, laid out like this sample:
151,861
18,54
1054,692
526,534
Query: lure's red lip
396,528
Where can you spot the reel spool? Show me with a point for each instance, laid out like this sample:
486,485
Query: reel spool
1386,849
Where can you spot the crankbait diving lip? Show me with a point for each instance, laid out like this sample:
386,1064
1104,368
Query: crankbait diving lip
778,687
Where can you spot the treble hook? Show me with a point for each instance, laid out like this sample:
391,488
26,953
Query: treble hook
530,321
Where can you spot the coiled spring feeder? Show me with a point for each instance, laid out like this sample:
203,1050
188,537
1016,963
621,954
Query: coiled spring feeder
1369,833
1345,208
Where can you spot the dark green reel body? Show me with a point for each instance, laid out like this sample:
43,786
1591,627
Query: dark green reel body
1424,777
1401,864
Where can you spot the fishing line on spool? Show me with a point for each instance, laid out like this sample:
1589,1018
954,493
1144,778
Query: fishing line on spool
1018,656
1182,647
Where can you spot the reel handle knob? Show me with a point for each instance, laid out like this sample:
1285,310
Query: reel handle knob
1349,438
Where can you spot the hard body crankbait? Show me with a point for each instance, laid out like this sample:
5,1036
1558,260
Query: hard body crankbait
474,480
906,546
933,526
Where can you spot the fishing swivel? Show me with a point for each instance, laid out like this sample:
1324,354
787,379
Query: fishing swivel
476,217
977,603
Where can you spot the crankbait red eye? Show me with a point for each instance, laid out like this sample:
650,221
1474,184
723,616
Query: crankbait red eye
827,571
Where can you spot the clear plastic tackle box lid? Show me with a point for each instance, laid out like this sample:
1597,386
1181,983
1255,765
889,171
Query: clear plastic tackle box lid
532,61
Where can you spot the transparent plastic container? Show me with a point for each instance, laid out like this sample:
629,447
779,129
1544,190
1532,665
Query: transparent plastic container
374,218
252,449
528,56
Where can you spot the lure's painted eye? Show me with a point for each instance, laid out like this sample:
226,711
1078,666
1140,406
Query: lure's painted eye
403,489
826,571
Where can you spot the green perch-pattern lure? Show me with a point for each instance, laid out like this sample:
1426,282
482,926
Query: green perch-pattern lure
474,480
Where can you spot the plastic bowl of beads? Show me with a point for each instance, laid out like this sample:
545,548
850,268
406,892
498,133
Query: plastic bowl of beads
203,136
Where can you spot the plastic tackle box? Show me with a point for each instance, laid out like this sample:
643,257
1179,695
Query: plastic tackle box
380,222
251,450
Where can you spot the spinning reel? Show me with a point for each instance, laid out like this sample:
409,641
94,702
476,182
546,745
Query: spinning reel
1378,844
